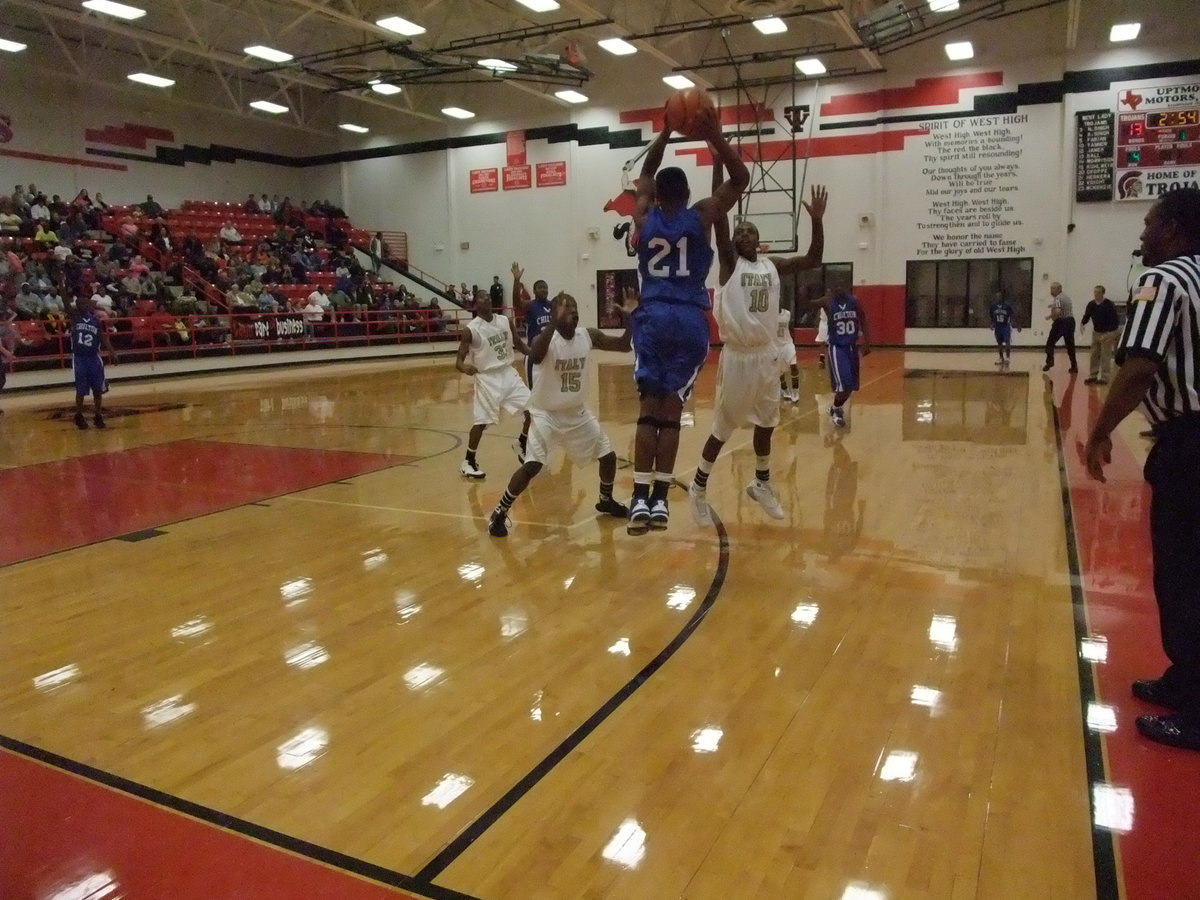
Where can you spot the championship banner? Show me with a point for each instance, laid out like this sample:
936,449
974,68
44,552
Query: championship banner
551,174
483,180
514,146
517,178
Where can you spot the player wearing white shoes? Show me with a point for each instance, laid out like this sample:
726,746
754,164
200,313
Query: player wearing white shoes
488,340
747,314
557,410
787,358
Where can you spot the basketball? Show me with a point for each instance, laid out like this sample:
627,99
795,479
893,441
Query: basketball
687,110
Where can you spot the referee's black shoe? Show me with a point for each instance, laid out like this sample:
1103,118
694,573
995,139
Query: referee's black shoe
1153,690
1174,731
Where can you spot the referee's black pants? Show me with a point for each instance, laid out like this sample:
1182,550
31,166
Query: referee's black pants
1064,330
1173,471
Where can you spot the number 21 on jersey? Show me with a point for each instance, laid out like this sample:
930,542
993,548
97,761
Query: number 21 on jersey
658,264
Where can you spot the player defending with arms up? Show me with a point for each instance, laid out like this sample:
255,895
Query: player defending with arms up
670,329
747,312
557,407
536,312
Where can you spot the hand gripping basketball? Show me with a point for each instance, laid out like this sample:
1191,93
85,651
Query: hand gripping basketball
691,112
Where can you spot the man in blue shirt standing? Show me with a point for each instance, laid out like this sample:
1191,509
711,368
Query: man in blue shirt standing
87,337
670,328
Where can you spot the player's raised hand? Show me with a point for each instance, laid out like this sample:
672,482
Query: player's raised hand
517,272
630,299
819,199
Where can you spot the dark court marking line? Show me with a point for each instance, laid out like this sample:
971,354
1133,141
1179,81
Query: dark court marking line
488,818
144,535
297,846
1104,857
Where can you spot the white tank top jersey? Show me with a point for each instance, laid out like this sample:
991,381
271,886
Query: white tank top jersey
747,309
560,379
491,343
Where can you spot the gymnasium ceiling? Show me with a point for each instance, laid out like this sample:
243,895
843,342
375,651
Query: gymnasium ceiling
338,49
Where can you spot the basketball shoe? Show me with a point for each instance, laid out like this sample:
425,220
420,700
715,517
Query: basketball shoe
612,507
639,516
80,422
659,515
838,415
498,523
764,494
471,470
698,501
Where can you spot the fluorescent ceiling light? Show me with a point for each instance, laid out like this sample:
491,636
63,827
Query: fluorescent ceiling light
498,65
812,66
268,106
571,96
943,5
357,129
1125,32
400,26
386,89
617,46
679,82
152,80
771,25
268,53
539,5
458,113
960,50
109,8
11,46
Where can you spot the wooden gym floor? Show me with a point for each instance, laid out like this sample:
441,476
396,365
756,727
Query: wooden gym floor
256,641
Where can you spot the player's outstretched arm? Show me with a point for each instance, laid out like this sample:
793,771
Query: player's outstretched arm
624,342
725,196
726,254
645,182
519,294
815,205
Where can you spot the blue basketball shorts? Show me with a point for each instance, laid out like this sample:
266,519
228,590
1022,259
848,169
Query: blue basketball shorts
843,368
1003,333
89,374
670,345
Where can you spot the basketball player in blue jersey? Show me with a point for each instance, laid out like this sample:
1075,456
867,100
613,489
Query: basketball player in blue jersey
1001,313
670,328
87,336
847,323
537,316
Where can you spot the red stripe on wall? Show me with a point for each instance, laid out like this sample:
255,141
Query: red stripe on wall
841,145
128,135
937,91
65,160
745,114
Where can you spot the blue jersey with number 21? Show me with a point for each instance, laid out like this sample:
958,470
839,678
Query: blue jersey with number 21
674,258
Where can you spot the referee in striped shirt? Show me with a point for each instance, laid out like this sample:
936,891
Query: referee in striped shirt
1159,356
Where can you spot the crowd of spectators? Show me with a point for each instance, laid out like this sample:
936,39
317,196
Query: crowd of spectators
130,263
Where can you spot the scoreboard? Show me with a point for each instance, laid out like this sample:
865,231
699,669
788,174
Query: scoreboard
1157,146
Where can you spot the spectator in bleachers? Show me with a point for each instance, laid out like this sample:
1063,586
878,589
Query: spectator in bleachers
378,251
129,228
73,228
82,201
10,219
160,237
9,336
320,298
250,205
265,205
151,207
131,284
239,299
31,194
45,236
267,302
38,209
100,203
58,209
18,197
27,303
54,310
137,266
228,234
313,314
